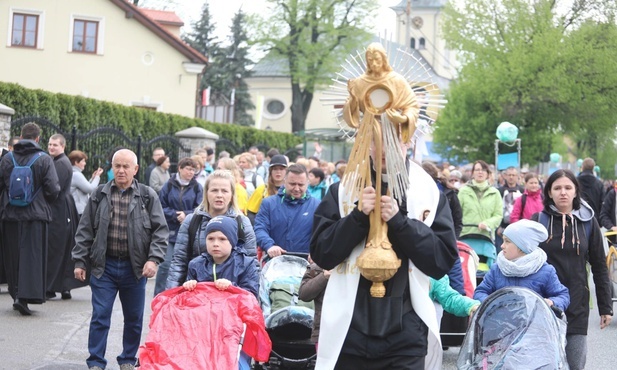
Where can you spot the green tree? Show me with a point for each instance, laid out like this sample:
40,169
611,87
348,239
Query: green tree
546,70
314,36
202,39
237,70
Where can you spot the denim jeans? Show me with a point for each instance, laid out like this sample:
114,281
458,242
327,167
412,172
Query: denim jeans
163,270
118,278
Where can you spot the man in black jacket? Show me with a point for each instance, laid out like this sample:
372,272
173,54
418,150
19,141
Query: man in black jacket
156,154
431,249
25,228
510,190
592,189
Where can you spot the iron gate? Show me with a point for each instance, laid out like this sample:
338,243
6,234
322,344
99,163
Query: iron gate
100,144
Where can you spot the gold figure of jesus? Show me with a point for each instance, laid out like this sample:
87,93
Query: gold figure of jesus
378,97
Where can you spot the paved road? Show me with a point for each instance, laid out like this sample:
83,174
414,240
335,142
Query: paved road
601,343
55,337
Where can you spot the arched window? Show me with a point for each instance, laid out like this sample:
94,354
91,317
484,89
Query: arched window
422,43
412,43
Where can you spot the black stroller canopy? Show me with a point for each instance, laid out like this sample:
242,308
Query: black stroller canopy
514,328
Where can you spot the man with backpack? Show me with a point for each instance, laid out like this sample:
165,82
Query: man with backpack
28,185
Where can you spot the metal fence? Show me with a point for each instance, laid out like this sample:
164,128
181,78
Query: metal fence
101,143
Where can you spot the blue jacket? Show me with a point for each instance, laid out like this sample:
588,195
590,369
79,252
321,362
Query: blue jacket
183,253
178,198
318,191
455,275
544,282
285,222
239,268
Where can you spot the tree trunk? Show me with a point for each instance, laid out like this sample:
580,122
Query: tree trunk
300,104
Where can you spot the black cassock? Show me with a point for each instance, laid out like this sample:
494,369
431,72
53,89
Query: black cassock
62,228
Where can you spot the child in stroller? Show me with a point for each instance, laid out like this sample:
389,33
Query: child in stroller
522,263
514,328
289,320
198,328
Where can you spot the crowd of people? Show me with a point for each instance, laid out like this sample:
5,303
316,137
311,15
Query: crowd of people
218,220
519,210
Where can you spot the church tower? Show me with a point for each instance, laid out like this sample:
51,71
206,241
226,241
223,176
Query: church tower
418,27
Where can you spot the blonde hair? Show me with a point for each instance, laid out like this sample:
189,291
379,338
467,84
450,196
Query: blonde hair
303,161
232,166
250,158
225,175
197,159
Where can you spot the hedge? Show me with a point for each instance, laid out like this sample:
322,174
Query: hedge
86,114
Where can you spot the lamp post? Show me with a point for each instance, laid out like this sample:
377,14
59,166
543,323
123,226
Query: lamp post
407,22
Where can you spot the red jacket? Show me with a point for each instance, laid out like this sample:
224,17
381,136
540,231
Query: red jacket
201,329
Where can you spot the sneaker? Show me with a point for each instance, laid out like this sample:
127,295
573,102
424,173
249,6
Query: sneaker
127,367
66,294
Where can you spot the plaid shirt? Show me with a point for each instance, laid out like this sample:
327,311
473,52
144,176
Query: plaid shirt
117,235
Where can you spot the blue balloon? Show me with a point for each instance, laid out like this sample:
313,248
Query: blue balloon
506,132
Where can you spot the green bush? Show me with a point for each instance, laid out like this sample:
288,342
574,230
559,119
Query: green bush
86,114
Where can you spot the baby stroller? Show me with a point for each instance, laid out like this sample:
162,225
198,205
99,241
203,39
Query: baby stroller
454,328
513,329
289,321
611,261
204,329
484,246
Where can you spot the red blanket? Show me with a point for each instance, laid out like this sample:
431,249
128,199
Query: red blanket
201,329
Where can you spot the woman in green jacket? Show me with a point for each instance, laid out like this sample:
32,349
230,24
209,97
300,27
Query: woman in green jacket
481,202
482,206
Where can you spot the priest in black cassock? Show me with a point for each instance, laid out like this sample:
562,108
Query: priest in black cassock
60,276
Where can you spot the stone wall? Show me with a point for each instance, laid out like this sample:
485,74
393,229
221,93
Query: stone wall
6,113
196,138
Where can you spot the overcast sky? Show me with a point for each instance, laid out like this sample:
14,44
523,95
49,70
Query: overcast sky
223,11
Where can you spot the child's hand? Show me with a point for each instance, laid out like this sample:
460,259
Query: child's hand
190,285
548,302
222,284
327,273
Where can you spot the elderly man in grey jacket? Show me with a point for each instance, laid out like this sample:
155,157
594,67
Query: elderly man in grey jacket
122,237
